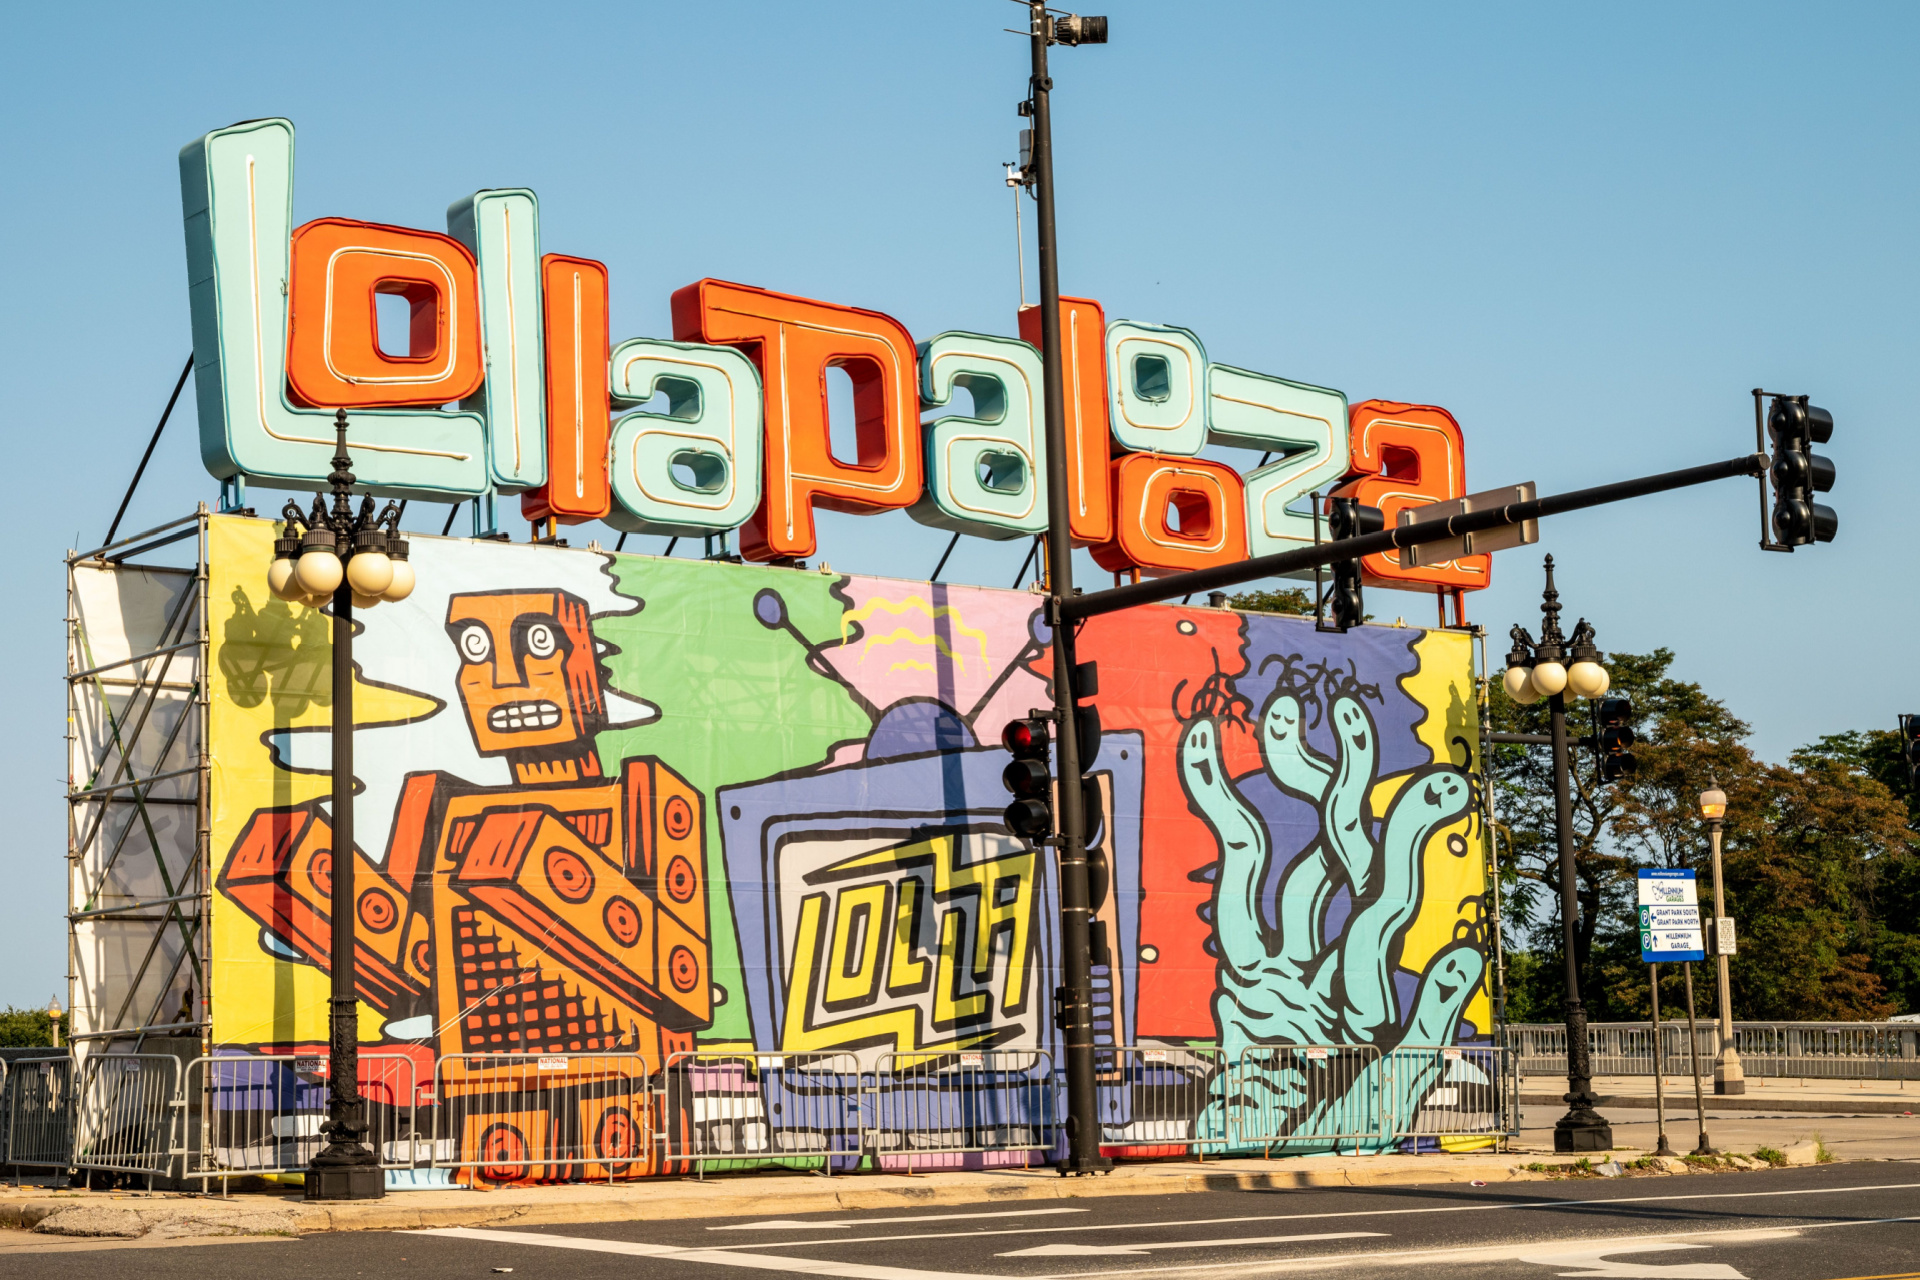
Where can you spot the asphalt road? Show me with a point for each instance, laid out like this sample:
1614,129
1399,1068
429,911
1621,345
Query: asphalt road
1823,1223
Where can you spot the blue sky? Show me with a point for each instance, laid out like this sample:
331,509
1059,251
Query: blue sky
1586,231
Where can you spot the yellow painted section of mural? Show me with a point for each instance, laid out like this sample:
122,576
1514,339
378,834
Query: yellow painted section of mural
273,671
1454,881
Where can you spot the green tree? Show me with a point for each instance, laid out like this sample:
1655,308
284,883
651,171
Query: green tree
1826,885
1294,600
28,1028
1820,866
1686,739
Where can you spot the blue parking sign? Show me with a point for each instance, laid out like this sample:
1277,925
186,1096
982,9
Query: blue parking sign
1670,917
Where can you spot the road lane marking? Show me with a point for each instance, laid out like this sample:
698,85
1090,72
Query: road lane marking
1115,1250
791,1224
1466,1253
1347,1213
716,1257
1594,1263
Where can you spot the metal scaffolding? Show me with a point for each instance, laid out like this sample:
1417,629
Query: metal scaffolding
138,775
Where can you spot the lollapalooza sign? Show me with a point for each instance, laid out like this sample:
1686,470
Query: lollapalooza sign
286,331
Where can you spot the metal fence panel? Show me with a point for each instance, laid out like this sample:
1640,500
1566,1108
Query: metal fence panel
1778,1050
996,1104
535,1117
125,1115
1443,1091
1160,1101
800,1109
1291,1095
261,1113
40,1112
1826,1051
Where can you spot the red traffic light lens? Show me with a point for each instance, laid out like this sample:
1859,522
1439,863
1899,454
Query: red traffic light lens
1025,737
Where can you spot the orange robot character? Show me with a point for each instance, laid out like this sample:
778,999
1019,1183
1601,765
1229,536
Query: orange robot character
563,913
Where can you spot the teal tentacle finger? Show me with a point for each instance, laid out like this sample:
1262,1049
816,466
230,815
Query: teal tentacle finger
1425,803
1291,763
1304,893
1445,988
1345,811
1242,840
1416,1066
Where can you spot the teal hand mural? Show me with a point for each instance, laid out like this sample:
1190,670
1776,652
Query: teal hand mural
1297,980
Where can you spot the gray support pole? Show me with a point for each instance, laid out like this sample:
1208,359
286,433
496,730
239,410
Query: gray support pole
1729,1076
1074,999
1659,1068
1693,1057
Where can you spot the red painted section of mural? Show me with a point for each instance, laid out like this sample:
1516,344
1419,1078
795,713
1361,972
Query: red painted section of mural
1183,665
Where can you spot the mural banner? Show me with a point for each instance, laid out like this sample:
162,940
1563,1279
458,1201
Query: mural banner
618,804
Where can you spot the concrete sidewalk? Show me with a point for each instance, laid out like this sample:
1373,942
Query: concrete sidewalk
1828,1097
167,1215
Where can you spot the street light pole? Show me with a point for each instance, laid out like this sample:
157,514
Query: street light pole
1074,999
1729,1076
335,556
1582,1128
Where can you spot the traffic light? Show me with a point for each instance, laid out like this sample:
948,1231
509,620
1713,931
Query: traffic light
1029,778
1910,752
1613,739
1799,473
1348,518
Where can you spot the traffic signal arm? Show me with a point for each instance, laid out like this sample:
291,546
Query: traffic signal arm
1218,577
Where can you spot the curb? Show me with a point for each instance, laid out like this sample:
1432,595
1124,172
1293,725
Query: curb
404,1212
722,1198
1738,1102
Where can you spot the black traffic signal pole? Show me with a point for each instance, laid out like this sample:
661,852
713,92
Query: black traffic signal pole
1419,533
1074,999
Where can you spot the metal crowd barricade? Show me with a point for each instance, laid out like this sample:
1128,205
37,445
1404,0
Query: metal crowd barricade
737,1109
1437,1091
1161,1101
1282,1095
992,1103
40,1112
1828,1051
532,1117
258,1114
126,1106
1779,1050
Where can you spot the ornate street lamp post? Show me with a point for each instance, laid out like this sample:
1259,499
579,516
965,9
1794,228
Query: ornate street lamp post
351,561
1728,1074
1542,670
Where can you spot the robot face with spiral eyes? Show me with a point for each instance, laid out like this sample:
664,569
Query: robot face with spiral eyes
530,681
